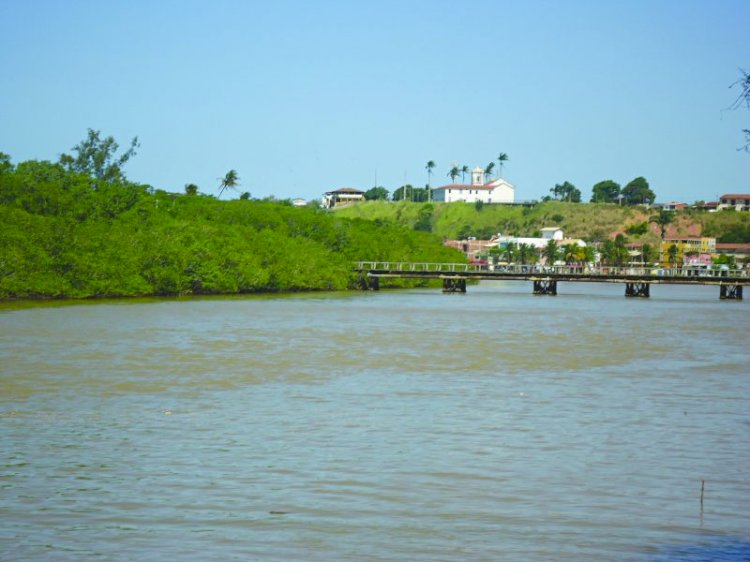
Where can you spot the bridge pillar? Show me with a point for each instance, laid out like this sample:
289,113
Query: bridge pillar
454,285
638,290
545,287
368,283
733,292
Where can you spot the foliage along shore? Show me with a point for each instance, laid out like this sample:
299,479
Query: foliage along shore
72,233
593,222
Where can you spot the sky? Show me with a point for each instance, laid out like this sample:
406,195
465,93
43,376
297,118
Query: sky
304,97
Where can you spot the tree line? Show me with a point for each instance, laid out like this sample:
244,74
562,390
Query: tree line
78,228
635,192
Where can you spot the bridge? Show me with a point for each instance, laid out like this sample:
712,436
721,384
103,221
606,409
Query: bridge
637,280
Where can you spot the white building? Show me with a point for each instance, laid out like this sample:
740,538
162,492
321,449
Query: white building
496,191
548,233
552,233
342,197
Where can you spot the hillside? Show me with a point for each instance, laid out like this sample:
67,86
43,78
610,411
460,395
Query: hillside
589,221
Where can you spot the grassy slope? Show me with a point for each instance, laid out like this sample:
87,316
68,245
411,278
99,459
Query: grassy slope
578,220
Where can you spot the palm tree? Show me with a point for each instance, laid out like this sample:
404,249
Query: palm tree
510,251
571,253
672,252
230,181
489,168
647,253
663,219
464,171
430,165
191,189
551,252
454,173
523,253
502,158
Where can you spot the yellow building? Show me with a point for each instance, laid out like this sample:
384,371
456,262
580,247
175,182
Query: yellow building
690,250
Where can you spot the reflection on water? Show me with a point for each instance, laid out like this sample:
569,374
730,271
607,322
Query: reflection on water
386,426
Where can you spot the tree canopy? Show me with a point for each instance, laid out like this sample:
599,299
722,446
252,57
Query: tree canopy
638,192
376,193
96,157
566,192
605,192
66,233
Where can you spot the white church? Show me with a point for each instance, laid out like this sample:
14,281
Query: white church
495,191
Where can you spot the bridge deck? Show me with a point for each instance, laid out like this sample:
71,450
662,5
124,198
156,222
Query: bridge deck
409,270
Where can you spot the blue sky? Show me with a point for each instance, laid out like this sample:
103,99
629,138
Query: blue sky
305,97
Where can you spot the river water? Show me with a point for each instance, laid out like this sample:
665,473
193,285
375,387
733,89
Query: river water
388,426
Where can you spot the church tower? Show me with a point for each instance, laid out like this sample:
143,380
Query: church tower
477,176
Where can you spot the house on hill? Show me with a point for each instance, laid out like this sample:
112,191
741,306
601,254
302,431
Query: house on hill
740,201
495,191
342,197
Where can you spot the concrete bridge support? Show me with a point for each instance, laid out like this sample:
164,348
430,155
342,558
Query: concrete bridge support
733,292
454,285
545,287
638,290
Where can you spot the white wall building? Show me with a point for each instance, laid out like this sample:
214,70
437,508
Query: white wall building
552,233
548,233
495,191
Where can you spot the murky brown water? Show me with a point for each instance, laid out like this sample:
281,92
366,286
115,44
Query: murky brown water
384,427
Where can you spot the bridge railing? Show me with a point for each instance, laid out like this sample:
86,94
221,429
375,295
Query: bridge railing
536,269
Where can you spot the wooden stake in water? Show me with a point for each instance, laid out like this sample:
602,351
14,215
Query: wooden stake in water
703,486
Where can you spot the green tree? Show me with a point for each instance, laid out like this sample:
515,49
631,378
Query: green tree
488,170
429,167
524,253
229,181
638,192
424,218
566,192
648,253
502,159
408,192
510,251
572,253
672,253
615,252
638,229
97,157
5,164
453,173
479,204
376,193
605,192
663,218
551,252
191,189
464,171
421,195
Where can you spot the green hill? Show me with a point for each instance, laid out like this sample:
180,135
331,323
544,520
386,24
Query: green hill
589,221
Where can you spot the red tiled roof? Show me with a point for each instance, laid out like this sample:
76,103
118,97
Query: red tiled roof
732,246
736,196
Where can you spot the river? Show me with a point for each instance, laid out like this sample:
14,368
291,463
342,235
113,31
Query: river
387,426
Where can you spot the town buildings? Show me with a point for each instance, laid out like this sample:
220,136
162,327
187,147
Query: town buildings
687,251
740,201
